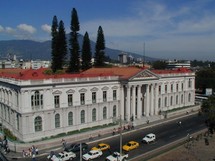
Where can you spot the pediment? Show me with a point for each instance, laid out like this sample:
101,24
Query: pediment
94,89
83,90
57,92
144,75
70,91
105,88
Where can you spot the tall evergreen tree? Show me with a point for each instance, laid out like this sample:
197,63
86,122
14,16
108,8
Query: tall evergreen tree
74,64
54,33
86,53
62,45
99,49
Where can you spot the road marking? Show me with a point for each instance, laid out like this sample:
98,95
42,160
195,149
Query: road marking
189,130
172,136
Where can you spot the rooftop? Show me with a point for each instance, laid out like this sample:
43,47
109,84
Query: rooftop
122,72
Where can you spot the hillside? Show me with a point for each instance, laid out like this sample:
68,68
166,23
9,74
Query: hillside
28,49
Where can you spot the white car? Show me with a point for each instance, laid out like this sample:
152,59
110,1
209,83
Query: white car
62,156
149,138
67,155
92,154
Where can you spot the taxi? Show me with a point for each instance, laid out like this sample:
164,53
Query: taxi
102,147
130,146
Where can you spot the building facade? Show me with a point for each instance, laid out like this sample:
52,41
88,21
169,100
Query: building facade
34,105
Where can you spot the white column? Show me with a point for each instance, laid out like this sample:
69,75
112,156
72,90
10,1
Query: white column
139,105
156,99
152,100
147,100
122,104
128,103
134,102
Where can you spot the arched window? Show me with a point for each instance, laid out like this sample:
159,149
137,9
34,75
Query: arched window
94,114
38,124
70,118
37,100
182,98
57,120
82,116
171,100
159,102
105,113
114,111
189,97
176,99
165,102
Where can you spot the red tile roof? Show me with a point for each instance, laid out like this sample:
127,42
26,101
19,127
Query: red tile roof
122,72
31,74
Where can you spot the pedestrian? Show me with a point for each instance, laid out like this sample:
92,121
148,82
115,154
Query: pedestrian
23,153
29,152
37,151
33,157
63,143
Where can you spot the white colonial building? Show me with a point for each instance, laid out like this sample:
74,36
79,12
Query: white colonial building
34,105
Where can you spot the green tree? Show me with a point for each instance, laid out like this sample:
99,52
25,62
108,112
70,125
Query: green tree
99,48
62,46
159,65
205,78
54,33
86,53
208,107
74,64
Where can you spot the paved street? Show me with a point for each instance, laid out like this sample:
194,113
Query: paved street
165,132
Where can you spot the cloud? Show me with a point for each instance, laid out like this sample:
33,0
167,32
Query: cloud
10,30
46,28
26,28
1,29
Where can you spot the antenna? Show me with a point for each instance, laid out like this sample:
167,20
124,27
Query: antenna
143,53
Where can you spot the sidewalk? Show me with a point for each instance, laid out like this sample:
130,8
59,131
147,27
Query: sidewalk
55,144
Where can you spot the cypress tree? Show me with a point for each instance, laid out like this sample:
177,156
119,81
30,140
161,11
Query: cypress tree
99,49
86,53
54,33
62,45
74,64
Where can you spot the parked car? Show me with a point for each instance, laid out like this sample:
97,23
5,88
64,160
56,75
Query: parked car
149,138
76,147
92,154
102,147
116,157
130,145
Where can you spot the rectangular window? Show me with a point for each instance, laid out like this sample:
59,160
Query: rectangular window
182,86
171,87
82,98
70,99
57,101
177,87
104,96
114,94
93,97
159,89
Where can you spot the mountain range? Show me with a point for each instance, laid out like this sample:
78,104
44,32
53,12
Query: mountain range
33,50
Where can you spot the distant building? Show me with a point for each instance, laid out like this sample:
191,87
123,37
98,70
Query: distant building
5,64
178,64
123,58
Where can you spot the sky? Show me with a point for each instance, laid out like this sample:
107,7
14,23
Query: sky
167,29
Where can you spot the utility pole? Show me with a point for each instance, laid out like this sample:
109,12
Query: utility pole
80,151
120,123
